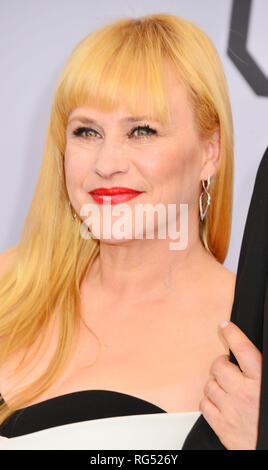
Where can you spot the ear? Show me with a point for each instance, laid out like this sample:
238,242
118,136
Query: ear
211,156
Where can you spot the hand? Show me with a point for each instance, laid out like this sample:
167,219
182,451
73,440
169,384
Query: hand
232,396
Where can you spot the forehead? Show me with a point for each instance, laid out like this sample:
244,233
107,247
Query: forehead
177,95
177,99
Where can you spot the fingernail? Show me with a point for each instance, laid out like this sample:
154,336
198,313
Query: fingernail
224,324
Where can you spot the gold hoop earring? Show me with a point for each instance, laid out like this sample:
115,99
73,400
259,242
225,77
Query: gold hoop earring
206,194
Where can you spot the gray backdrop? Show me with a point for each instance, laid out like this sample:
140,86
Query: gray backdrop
38,36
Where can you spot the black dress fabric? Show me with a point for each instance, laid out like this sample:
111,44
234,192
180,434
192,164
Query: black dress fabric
250,307
72,408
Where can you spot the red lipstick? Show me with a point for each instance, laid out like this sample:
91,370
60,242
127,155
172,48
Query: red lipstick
117,194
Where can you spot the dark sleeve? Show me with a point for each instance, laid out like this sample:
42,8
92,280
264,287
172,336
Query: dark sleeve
250,306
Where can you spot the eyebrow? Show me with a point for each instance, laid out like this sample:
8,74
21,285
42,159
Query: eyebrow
86,120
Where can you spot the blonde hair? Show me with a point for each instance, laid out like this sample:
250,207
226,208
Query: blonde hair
52,257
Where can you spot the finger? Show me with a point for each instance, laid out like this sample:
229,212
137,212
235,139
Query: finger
227,374
247,354
215,394
211,413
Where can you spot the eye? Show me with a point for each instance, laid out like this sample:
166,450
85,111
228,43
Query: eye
146,131
79,132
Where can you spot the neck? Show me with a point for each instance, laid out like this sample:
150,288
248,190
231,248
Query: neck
146,269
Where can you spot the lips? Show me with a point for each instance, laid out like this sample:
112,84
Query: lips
113,191
116,195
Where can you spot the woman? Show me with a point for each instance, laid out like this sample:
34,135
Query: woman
95,327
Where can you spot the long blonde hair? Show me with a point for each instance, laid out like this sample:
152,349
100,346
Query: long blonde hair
117,60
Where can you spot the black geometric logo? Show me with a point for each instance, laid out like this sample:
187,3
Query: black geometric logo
237,48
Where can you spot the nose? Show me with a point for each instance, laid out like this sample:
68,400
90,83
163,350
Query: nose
110,160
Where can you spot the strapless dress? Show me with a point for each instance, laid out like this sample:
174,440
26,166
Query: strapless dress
95,420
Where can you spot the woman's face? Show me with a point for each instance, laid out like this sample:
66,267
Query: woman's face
165,162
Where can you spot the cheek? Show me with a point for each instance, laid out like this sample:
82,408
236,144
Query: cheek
175,162
175,171
76,166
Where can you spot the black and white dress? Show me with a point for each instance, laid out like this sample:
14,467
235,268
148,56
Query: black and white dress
95,419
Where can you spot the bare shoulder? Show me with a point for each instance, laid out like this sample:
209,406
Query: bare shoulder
225,286
6,258
218,289
219,275
221,292
225,279
216,301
